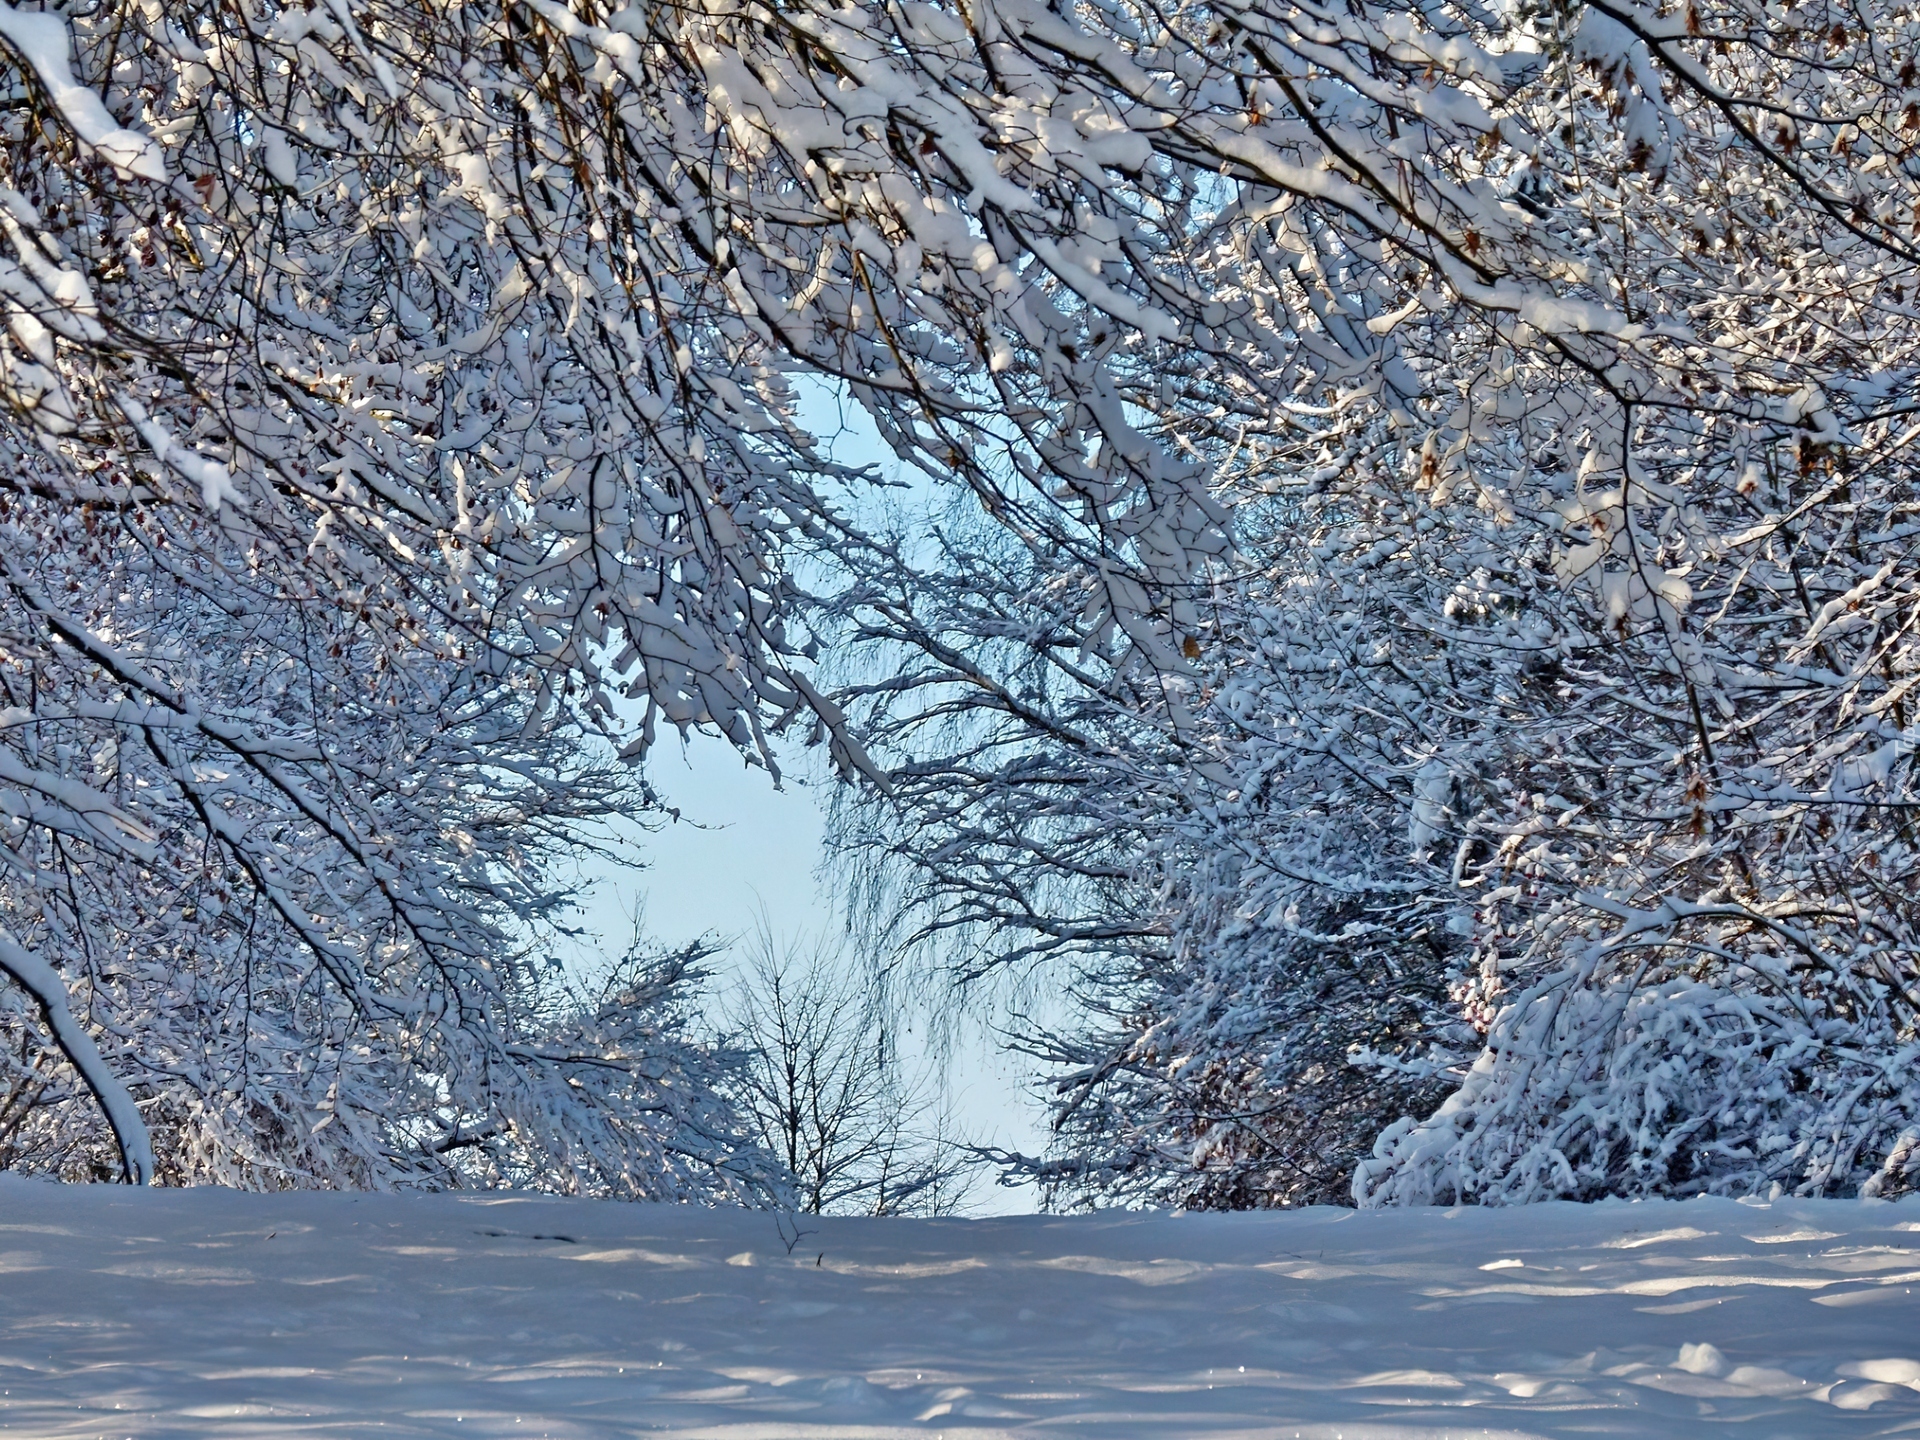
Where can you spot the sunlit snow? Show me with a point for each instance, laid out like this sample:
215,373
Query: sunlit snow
217,1314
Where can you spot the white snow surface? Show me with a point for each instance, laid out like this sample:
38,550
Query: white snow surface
208,1313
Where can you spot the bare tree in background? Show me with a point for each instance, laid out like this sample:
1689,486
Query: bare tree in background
825,1090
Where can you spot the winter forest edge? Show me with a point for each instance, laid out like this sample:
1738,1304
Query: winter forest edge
1408,611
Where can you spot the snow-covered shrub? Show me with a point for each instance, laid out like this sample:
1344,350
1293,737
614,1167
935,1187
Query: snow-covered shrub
1224,1076
651,1112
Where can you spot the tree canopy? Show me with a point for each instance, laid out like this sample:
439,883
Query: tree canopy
1435,588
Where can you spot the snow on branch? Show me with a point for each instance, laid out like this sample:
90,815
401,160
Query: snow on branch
49,992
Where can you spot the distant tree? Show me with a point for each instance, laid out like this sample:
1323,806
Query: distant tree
828,1093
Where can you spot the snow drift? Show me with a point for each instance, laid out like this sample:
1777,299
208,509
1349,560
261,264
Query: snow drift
212,1313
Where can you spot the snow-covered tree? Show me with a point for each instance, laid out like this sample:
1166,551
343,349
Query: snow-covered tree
1215,862
1583,418
342,506
1558,362
296,877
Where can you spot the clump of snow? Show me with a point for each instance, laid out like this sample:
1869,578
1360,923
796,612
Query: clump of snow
213,478
44,44
49,992
211,1313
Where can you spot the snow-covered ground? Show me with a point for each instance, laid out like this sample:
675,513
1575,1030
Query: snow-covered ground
209,1313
